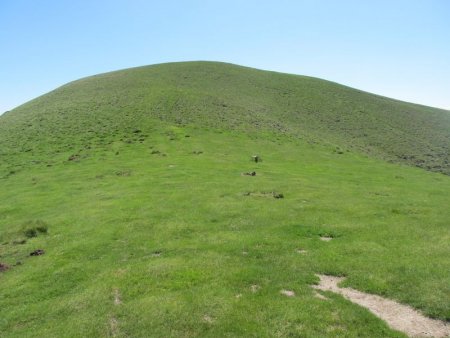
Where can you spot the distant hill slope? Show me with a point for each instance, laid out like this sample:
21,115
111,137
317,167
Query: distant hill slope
225,96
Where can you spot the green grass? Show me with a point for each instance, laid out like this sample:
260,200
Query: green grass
158,211
104,229
224,96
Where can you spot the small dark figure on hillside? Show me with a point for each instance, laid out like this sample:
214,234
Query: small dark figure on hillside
253,173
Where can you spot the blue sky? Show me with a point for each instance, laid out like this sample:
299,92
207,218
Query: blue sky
396,48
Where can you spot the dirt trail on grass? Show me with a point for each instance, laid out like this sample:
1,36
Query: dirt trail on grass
399,317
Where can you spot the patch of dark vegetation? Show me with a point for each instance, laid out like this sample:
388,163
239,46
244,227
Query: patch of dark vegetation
273,194
4,267
34,228
30,233
379,193
38,252
157,152
172,136
197,152
123,173
9,173
74,157
252,173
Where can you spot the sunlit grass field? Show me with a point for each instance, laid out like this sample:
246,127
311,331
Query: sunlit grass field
160,237
130,190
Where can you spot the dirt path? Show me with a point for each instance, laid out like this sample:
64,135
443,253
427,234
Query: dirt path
399,317
117,299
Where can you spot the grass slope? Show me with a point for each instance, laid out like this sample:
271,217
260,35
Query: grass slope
224,96
149,228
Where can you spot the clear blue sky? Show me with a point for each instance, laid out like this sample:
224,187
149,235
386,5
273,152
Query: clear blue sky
397,48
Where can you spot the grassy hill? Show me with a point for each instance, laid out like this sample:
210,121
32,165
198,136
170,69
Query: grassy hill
229,97
132,183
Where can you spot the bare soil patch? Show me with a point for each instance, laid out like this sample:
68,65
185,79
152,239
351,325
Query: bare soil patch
398,316
156,253
207,319
114,327
288,293
3,267
326,238
255,288
320,296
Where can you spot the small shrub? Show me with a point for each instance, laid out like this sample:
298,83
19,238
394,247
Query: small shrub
42,229
33,228
278,195
30,233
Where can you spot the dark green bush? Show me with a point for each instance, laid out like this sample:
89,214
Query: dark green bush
30,233
34,227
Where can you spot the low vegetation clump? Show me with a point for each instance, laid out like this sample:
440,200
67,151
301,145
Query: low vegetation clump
33,228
